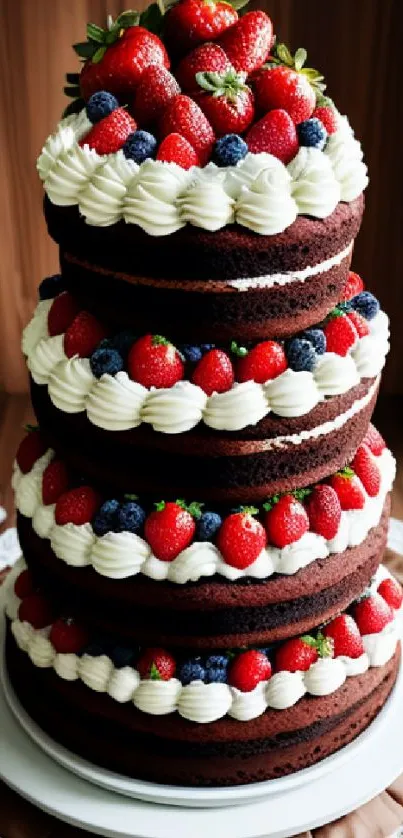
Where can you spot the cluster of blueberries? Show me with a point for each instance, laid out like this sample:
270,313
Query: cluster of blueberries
129,516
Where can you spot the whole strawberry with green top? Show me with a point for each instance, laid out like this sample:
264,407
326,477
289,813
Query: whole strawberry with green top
226,101
154,362
171,528
192,22
285,83
299,653
286,520
241,538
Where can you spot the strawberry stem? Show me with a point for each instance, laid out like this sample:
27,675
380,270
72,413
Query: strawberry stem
240,351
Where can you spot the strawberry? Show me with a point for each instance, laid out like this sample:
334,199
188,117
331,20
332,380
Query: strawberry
299,653
175,149
343,630
276,134
248,669
35,609
341,334
30,449
55,482
207,58
283,87
214,373
348,488
118,56
183,116
372,614
374,440
367,470
157,86
227,102
241,538
265,361
77,506
156,664
192,22
247,43
286,520
110,133
154,362
359,322
169,530
67,637
324,511
328,117
24,584
353,286
391,591
83,335
62,313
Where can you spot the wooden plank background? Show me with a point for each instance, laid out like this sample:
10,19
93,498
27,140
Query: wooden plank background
356,43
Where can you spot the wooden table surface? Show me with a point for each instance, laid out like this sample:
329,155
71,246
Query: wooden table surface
378,819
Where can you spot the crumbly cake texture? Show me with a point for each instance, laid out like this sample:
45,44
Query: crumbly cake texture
203,508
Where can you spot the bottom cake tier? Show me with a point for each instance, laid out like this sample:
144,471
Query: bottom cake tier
205,731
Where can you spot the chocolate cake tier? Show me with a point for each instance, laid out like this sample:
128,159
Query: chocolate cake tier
274,455
209,613
181,284
170,749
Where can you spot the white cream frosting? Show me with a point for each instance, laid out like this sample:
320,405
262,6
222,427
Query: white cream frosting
284,689
40,650
355,666
66,666
345,155
203,703
73,543
247,706
205,203
37,327
336,374
70,382
151,199
157,697
70,174
115,402
245,404
96,672
119,554
101,201
269,280
292,393
314,186
46,355
174,410
267,206
380,647
325,676
122,684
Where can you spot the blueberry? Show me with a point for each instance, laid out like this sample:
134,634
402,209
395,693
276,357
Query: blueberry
106,360
123,342
51,286
301,355
217,662
229,150
139,146
131,517
193,354
312,133
101,104
207,526
106,518
317,338
191,670
206,347
122,656
216,675
366,304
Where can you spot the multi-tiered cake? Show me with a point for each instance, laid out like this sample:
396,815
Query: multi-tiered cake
204,507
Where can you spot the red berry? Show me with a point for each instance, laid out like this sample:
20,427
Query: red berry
248,669
35,609
297,654
157,86
183,116
175,149
328,117
30,449
391,591
169,530
375,441
286,522
359,322
340,333
156,664
61,313
348,488
241,539
372,614
192,22
353,286
154,362
83,335
24,584
55,482
206,58
227,103
276,134
120,69
67,637
214,373
283,87
324,511
343,630
78,506
110,133
247,43
367,470
265,361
